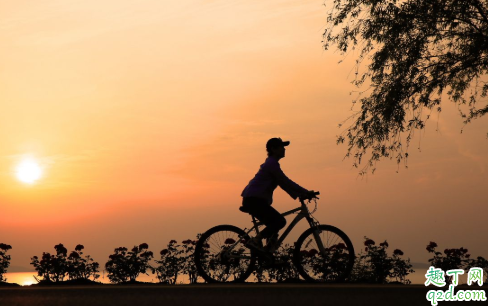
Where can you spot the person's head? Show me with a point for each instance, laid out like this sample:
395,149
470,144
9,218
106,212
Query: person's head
276,147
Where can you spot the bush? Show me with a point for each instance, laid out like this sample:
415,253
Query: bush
451,259
455,259
170,264
81,268
4,260
284,271
189,267
479,262
375,266
125,266
175,260
54,268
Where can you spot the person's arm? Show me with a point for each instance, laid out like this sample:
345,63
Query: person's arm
292,188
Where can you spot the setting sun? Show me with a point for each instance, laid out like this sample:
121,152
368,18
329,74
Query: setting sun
28,171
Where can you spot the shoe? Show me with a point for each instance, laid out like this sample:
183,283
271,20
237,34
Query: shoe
270,248
271,244
256,244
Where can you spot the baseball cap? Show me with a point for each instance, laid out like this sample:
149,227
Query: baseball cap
276,142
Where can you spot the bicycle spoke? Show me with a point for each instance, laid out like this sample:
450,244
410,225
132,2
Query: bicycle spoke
222,255
333,263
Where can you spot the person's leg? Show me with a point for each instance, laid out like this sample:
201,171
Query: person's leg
273,220
266,214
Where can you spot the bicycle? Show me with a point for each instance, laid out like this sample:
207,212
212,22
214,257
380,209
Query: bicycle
323,253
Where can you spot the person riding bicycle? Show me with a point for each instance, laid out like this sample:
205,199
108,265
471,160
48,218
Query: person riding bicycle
258,195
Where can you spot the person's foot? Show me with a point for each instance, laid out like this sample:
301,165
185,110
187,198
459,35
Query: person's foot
271,244
270,248
256,244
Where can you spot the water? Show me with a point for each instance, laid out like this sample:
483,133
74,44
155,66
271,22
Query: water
27,278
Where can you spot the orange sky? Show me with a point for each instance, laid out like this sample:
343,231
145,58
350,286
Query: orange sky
149,119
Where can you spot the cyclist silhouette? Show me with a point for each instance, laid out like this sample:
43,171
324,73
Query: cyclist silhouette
228,254
258,195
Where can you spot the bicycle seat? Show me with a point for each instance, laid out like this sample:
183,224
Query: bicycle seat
244,209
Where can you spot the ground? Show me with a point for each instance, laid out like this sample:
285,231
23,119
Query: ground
204,294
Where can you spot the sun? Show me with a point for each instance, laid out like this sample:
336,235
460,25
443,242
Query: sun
28,171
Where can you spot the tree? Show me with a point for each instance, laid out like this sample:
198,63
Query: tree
4,260
418,51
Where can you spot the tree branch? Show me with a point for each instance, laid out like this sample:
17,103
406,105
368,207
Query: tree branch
480,10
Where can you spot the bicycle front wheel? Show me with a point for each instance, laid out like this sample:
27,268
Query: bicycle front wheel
333,264
221,255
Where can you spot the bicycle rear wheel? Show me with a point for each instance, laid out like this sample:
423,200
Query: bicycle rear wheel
221,255
334,265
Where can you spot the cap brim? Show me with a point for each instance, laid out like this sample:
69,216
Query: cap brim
285,143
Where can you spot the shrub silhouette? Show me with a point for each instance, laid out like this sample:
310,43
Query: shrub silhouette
286,270
4,260
283,268
451,259
171,264
375,266
176,260
455,259
479,262
54,268
125,266
189,267
80,267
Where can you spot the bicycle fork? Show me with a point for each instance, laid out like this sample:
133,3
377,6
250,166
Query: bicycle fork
316,234
318,240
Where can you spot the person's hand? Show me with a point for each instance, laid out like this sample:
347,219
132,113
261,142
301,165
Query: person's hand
308,195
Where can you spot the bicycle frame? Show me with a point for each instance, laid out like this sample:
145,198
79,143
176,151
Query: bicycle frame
303,213
321,253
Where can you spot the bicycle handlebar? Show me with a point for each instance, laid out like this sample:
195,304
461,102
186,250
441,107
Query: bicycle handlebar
314,193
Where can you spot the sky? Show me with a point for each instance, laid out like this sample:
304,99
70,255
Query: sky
148,119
